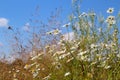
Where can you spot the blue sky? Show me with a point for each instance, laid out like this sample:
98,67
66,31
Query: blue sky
18,12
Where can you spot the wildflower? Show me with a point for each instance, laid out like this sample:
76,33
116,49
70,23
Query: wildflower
32,70
35,57
93,63
110,10
82,53
83,15
33,64
70,59
84,58
66,25
107,67
17,71
61,52
38,69
57,31
26,66
37,65
118,55
35,74
66,74
93,46
58,65
111,20
64,55
50,32
47,77
54,32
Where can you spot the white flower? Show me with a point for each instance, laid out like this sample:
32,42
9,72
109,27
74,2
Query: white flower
64,55
107,67
93,63
56,31
84,58
35,57
66,74
69,59
111,20
35,74
93,46
58,66
37,65
17,71
33,64
83,15
50,32
27,66
60,52
110,10
66,25
82,53
47,77
118,55
38,69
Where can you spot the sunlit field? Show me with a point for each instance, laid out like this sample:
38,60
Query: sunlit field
90,49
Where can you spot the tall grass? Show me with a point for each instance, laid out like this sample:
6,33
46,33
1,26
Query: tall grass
93,53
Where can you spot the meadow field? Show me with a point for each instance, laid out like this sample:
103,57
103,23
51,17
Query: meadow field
89,50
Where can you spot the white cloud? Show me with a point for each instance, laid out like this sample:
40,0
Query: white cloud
3,22
26,27
69,36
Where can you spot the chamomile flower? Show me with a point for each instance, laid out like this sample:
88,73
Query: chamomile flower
56,31
49,33
110,10
111,20
66,25
67,73
26,66
83,15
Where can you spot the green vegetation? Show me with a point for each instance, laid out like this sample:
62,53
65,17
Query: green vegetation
92,54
